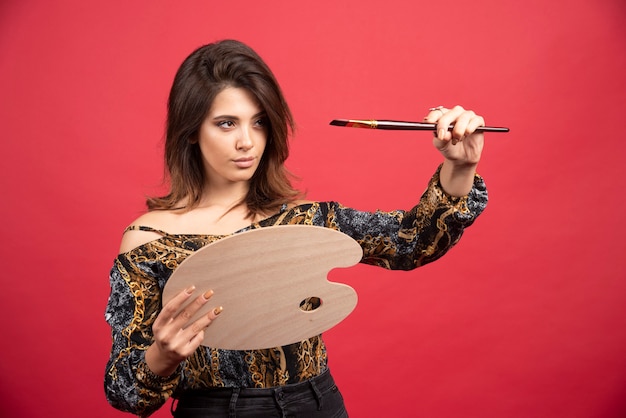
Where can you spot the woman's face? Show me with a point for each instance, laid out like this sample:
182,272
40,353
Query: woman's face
232,137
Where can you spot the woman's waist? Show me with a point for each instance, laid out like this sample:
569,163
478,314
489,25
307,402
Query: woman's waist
215,368
324,381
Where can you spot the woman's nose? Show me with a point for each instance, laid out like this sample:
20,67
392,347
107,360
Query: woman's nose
245,141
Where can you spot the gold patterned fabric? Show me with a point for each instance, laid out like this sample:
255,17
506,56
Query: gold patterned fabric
399,240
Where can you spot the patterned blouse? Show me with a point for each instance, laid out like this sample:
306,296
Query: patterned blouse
400,240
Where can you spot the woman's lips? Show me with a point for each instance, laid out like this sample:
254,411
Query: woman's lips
244,162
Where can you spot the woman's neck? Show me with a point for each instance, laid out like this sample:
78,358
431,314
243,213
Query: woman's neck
225,196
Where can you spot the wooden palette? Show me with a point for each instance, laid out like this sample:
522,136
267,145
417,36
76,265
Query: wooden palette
260,277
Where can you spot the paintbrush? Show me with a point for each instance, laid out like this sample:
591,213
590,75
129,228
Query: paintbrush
396,125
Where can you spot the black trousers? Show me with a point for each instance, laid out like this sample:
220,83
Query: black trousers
315,398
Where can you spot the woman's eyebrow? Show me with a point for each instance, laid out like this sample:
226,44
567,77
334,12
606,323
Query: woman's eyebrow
256,115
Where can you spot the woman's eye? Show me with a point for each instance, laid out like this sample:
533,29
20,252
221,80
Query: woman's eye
261,122
226,124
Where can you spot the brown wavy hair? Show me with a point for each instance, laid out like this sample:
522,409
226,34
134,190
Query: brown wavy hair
202,75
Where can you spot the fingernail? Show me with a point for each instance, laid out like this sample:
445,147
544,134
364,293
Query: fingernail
441,133
217,310
208,294
190,289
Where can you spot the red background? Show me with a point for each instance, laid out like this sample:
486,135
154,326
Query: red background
524,318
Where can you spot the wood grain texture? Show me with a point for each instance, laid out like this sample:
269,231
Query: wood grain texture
260,277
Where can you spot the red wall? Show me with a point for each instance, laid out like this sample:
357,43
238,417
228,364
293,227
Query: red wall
524,318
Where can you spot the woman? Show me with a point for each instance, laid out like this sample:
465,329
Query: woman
226,144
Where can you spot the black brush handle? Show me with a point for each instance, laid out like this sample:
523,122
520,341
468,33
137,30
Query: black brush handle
396,125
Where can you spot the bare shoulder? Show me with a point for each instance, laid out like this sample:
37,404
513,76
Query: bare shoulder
134,238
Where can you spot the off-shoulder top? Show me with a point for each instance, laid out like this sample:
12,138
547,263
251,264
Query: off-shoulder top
399,240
